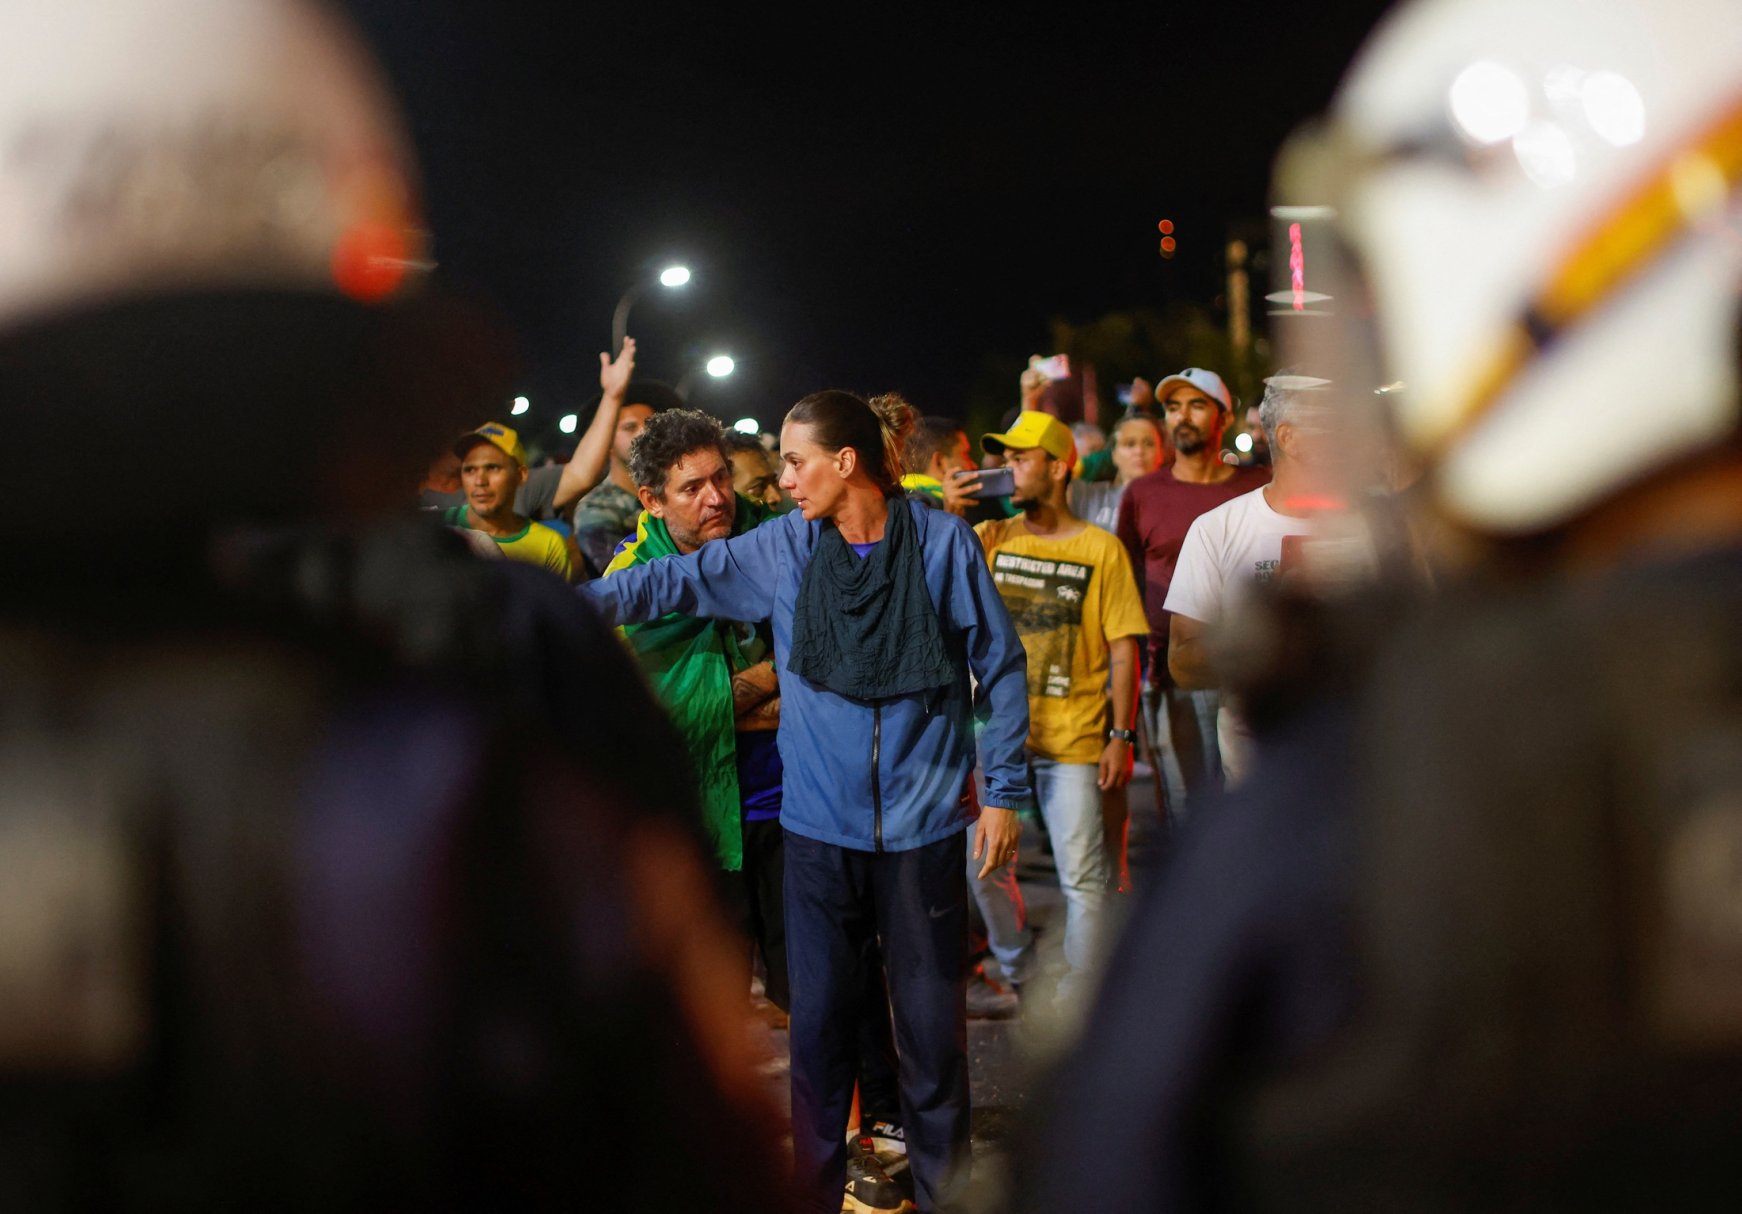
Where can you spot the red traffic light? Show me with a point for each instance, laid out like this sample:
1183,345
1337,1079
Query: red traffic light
1168,245
1166,227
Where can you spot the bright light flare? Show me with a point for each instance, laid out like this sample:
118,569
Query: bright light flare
747,425
720,366
521,405
1489,102
1613,107
1546,155
1243,443
568,423
674,276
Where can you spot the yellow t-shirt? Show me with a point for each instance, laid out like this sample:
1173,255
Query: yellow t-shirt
1069,599
536,545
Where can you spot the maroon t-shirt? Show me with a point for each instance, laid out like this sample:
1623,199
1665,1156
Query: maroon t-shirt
1153,517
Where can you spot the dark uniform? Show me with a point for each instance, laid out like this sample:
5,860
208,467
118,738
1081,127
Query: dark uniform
1467,941
338,870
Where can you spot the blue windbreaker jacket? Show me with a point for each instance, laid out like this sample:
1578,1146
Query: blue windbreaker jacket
884,776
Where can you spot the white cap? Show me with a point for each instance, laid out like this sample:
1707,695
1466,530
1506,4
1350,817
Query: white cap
1207,382
183,144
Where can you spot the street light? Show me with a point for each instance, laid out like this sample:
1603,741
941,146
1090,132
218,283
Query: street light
521,405
568,422
671,277
719,366
747,425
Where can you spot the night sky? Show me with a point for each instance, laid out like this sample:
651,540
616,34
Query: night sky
869,199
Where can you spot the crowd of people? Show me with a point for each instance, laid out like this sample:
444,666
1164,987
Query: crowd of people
373,843
864,651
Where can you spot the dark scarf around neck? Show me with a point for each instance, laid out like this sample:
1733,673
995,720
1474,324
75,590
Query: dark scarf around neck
865,627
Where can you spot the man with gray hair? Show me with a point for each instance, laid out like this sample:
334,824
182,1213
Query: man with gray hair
1247,542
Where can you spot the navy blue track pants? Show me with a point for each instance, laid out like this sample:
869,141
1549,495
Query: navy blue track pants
916,903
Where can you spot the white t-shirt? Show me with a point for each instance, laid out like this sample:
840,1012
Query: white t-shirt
1229,550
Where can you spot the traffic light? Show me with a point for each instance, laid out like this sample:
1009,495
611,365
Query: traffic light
1168,244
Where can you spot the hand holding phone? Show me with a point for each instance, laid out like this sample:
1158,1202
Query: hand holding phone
1055,368
994,482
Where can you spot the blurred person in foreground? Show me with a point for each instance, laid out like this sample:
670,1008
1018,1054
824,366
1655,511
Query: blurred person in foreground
302,856
716,678
493,469
1467,940
1152,521
883,610
1070,593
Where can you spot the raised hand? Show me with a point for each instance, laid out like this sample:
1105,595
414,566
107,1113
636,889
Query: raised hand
615,373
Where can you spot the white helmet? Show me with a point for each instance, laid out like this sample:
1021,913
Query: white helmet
1542,199
175,144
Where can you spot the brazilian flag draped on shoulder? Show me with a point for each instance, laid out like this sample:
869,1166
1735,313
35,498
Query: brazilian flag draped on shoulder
689,661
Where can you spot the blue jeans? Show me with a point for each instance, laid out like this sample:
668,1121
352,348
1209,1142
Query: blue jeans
1182,726
1070,802
999,898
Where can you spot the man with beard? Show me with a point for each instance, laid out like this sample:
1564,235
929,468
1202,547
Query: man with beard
1157,509
716,678
1070,592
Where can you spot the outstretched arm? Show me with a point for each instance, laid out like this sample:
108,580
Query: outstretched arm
586,467
724,580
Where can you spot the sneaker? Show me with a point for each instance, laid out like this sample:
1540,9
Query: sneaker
887,1143
869,1189
886,1137
989,999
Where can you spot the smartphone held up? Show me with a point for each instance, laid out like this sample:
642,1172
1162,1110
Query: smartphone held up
1055,368
994,482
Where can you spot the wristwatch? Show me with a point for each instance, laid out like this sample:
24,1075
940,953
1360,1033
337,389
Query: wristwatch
1124,735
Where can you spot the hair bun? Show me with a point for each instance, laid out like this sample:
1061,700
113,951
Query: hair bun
896,416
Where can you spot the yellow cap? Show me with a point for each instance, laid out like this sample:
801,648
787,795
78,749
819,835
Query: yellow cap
1033,429
497,435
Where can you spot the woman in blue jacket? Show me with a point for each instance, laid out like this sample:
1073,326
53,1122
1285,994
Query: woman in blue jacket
881,611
